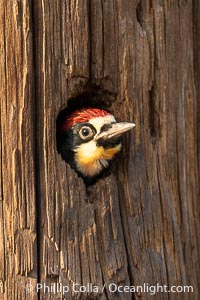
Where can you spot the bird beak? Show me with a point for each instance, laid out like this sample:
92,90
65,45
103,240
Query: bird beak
115,131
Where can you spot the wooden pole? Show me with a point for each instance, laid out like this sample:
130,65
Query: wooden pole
18,240
140,224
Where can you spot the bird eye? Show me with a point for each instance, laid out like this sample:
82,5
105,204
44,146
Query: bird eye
85,132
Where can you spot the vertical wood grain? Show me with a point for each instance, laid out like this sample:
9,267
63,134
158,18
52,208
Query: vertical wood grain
18,256
140,223
76,246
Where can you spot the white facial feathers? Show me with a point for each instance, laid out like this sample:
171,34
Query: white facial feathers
100,121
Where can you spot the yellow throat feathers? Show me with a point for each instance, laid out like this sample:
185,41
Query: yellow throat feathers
87,157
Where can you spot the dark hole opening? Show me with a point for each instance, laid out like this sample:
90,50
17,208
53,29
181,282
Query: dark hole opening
92,97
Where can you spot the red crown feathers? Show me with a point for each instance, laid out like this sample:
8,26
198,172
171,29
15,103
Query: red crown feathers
81,116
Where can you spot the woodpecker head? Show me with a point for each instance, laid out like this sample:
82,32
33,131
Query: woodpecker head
89,139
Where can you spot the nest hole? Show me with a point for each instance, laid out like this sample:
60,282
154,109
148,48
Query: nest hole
92,97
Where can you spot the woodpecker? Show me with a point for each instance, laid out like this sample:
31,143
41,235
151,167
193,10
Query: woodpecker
89,138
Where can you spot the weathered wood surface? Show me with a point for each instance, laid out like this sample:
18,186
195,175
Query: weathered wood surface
141,223
18,255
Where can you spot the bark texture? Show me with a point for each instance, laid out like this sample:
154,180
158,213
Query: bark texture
139,224
18,252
